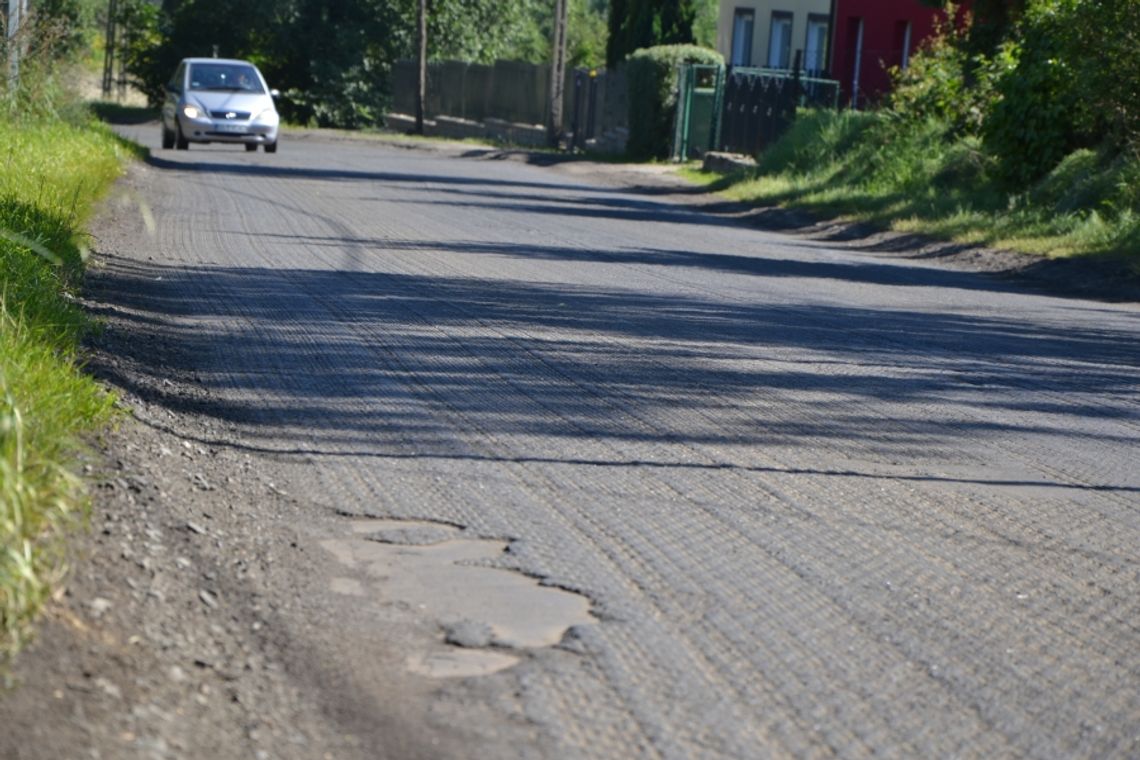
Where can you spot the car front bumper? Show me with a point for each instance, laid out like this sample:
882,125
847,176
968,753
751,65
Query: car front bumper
223,130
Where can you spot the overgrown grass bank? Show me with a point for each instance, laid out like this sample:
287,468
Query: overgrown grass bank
51,175
911,177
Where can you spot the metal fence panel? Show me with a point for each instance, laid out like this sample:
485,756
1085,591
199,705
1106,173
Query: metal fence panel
521,92
517,92
758,108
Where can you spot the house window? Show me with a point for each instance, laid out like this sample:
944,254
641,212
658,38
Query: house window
902,41
743,22
855,46
780,41
815,48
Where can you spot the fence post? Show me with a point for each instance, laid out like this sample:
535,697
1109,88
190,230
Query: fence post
17,11
681,114
576,119
718,109
796,89
591,104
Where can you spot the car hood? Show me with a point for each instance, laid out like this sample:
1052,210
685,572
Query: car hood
231,101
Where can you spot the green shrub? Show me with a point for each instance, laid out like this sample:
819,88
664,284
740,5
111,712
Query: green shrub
945,82
905,158
652,77
817,138
1073,85
1099,39
1031,126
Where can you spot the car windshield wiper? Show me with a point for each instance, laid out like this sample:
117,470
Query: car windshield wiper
224,88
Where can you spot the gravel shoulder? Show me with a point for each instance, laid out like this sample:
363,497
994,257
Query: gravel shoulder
167,639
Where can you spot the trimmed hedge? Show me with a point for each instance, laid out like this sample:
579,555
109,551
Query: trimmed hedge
652,76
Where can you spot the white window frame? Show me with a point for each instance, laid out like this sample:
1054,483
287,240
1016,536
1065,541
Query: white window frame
780,48
743,29
815,56
905,60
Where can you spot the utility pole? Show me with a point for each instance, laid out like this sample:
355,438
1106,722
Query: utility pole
17,11
421,68
557,74
109,47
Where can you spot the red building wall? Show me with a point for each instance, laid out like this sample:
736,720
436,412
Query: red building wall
884,24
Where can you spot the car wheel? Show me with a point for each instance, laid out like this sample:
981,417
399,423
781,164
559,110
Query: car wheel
167,138
180,142
271,147
250,147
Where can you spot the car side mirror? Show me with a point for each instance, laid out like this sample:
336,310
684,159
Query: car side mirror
275,93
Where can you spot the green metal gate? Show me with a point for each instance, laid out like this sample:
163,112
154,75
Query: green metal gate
741,110
699,92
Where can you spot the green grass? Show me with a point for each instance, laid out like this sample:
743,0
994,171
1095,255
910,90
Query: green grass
913,177
51,175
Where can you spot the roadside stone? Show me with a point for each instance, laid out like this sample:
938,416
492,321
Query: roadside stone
99,607
470,634
726,163
108,688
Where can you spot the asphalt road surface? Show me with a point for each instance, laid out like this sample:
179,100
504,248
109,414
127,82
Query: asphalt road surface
583,472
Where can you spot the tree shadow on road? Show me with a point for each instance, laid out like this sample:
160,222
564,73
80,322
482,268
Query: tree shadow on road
386,364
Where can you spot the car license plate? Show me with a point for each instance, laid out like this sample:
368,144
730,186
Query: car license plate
230,127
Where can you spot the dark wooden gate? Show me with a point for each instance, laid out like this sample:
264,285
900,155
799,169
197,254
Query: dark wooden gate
758,108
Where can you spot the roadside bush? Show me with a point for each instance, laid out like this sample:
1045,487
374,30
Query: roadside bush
911,159
944,81
818,138
1031,126
652,77
1031,143
1073,85
1101,40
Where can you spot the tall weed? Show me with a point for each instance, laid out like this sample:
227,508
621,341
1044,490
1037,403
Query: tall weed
51,174
925,175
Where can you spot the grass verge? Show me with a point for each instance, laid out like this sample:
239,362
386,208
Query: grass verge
51,174
914,177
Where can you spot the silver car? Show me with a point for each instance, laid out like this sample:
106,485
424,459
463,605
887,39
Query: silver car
219,100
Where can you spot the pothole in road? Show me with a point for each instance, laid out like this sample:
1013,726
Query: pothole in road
487,614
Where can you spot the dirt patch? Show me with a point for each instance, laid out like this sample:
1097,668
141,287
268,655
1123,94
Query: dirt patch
159,646
439,571
176,634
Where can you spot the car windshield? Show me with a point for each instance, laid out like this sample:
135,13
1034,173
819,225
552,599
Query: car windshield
224,77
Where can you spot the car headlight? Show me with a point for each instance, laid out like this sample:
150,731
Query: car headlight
267,115
192,112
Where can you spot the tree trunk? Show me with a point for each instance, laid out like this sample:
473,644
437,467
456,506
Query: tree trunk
421,58
557,75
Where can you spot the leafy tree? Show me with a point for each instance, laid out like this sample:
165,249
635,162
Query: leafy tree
64,22
707,16
945,82
331,58
587,32
652,76
1073,84
637,24
141,47
1102,45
